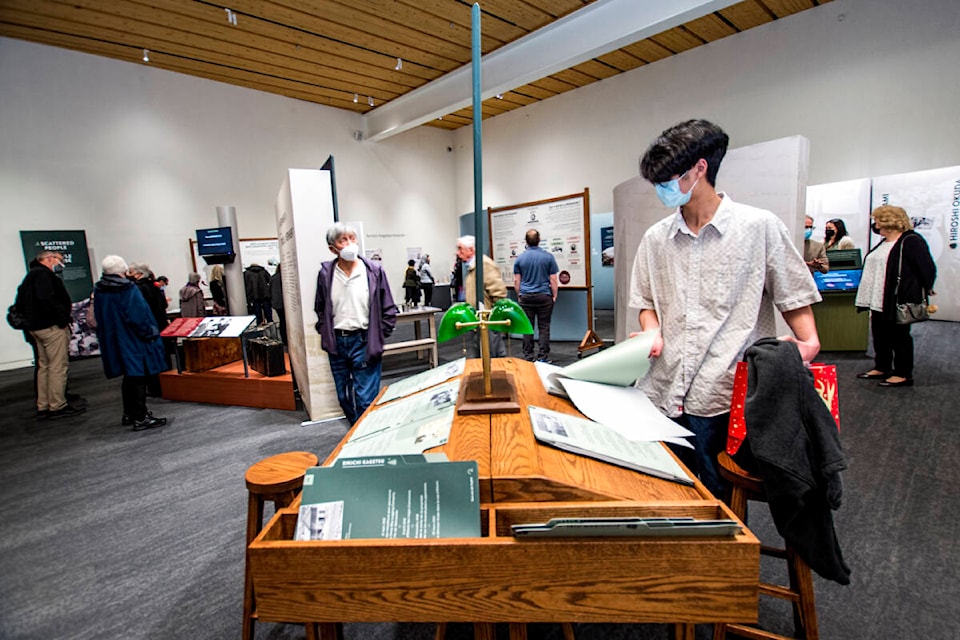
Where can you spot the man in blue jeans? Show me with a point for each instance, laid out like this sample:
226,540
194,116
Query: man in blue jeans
355,315
535,281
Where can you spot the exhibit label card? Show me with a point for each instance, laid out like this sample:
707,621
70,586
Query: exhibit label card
402,497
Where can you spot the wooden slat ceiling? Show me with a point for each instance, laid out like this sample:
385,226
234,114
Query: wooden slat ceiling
343,53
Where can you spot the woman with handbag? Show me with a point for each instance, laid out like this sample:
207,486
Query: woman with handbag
898,275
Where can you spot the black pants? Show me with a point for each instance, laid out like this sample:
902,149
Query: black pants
539,306
133,390
412,295
427,293
282,319
261,309
892,346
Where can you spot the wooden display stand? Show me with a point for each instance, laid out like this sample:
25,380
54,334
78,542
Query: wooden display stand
497,578
840,325
203,354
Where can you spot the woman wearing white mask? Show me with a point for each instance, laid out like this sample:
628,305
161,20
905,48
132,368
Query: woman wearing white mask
355,315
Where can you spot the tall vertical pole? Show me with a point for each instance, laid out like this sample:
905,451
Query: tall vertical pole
478,216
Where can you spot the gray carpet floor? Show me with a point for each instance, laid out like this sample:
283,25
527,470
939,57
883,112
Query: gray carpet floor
110,533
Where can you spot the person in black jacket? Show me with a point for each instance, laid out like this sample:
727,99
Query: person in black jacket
256,283
43,299
142,276
897,270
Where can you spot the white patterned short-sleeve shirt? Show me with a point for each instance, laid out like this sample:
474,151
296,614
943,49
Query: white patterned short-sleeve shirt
714,294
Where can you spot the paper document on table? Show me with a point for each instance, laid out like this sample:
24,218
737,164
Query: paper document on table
423,380
621,365
410,425
626,410
599,441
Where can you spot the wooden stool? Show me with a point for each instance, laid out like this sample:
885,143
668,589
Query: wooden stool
745,486
276,479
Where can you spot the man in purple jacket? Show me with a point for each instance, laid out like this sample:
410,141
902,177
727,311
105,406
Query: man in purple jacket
355,315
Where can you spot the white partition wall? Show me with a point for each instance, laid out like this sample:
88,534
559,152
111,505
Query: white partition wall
769,175
304,213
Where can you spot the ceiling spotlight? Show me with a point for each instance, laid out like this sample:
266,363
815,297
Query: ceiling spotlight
370,100
146,55
231,16
356,98
499,96
399,66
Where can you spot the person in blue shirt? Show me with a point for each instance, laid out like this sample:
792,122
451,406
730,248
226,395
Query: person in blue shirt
535,281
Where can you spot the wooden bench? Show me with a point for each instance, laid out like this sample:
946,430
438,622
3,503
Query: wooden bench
423,344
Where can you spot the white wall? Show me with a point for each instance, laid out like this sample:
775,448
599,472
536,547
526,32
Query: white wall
140,158
871,83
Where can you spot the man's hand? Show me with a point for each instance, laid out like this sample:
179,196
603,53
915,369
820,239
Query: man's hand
808,349
657,346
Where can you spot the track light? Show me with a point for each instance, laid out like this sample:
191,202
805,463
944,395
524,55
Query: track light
231,16
146,55
356,98
399,66
499,96
370,100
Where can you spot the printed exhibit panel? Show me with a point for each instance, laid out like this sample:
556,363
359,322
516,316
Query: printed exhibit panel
304,213
848,201
769,175
932,200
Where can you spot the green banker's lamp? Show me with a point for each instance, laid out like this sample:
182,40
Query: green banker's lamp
488,391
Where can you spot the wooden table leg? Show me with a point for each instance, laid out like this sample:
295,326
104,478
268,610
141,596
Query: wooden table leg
518,631
484,631
441,633
685,631
568,631
254,522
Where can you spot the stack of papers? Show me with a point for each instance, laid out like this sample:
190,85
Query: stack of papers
601,387
595,440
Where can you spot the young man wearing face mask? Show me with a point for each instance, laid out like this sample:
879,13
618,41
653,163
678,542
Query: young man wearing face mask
43,299
355,315
814,253
709,276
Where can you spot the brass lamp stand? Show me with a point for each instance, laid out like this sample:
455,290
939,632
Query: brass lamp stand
487,391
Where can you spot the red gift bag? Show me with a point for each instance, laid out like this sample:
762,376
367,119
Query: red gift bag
824,381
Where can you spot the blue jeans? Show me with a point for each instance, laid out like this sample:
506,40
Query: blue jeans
356,379
710,439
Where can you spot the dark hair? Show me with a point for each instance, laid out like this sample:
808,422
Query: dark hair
410,263
533,238
841,230
680,147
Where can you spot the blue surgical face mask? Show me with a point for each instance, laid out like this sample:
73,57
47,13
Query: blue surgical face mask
808,233
670,193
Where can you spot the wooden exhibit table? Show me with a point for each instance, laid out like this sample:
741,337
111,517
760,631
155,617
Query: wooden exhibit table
497,578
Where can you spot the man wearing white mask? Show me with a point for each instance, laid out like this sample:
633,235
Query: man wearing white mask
709,276
355,315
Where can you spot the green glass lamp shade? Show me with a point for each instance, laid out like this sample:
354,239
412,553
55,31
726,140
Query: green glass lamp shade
460,312
507,309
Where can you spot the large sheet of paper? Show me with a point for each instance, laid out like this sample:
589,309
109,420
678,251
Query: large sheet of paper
596,440
424,380
626,410
410,425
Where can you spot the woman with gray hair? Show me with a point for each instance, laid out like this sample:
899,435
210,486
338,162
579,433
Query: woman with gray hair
130,344
191,298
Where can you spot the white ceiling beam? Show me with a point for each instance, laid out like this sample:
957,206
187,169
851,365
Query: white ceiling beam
597,29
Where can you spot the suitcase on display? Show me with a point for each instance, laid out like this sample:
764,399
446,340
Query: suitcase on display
266,356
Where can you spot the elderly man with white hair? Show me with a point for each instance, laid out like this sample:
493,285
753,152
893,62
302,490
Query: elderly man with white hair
355,315
130,344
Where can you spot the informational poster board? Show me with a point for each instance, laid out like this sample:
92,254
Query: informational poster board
304,208
76,259
932,200
564,229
